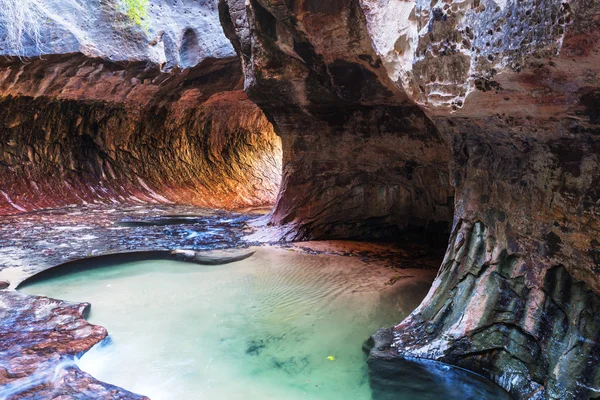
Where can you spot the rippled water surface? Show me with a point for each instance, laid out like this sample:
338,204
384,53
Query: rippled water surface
280,325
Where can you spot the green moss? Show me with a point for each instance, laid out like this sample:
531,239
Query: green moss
136,11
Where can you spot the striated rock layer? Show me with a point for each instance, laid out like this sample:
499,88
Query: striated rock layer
76,130
40,338
107,110
501,99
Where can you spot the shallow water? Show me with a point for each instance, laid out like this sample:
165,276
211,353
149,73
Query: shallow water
280,325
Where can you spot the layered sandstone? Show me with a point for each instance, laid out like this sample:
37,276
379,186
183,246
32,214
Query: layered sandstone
360,159
396,117
77,130
105,118
502,98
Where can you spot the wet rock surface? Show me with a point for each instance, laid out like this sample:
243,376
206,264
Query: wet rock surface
415,377
33,242
41,336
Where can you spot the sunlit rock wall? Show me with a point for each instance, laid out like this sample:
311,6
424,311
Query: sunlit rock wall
108,111
75,130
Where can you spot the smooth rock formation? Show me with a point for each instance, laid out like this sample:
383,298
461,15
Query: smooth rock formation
214,257
76,130
360,159
502,98
104,119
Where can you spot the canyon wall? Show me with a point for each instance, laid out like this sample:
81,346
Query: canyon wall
477,118
124,114
499,98
360,159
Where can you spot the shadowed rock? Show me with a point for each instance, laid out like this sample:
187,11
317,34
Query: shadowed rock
214,257
506,95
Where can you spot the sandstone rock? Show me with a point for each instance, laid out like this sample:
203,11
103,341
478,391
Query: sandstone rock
100,117
510,89
77,130
213,257
40,338
395,117
361,160
175,33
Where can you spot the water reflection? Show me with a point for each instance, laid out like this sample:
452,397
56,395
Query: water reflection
411,379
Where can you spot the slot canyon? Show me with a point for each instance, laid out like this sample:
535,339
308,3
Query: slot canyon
326,199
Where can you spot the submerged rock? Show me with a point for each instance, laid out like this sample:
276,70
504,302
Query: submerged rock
213,257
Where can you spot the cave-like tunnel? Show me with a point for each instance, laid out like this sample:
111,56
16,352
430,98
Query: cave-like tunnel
431,169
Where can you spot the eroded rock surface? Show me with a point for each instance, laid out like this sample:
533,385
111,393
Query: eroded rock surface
100,117
171,33
518,292
77,130
360,159
506,93
393,115
40,338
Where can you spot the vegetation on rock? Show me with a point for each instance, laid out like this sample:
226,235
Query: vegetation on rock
136,11
21,20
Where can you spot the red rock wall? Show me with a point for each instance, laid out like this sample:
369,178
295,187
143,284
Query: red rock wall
75,130
360,159
517,295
